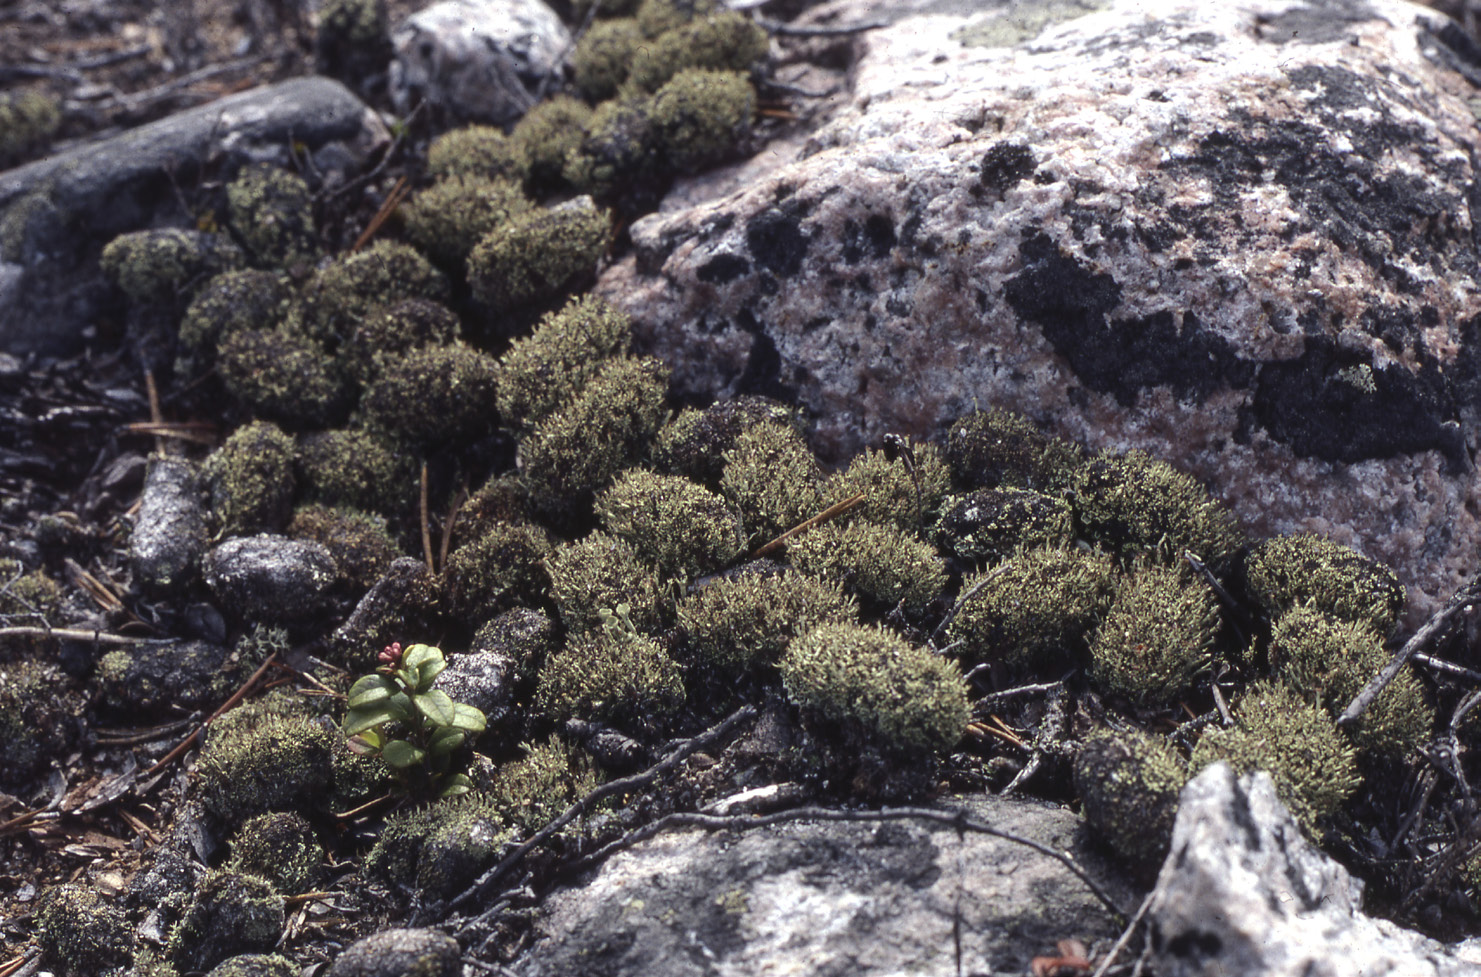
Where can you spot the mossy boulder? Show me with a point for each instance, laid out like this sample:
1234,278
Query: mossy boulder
612,676
82,930
434,395
258,760
450,217
500,570
280,848
882,565
230,914
149,680
284,377
546,369
989,525
772,477
1128,783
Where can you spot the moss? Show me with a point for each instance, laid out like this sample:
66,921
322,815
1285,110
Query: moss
439,849
396,329
450,217
279,848
899,696
611,676
541,371
27,594
283,377
253,965
272,213
84,931
360,543
161,266
433,395
27,224
603,57
577,450
694,443
747,620
597,573
683,528
880,564
38,719
28,122
534,790
539,256
349,290
1276,730
989,525
1288,571
892,495
356,468
1144,507
619,159
257,760
479,151
727,40
501,499
1033,608
1330,661
230,914
352,42
658,16
251,480
1129,784
233,302
701,117
500,570
1157,638
547,135
992,448
772,477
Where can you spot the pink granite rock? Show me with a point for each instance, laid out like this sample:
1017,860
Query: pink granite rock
1237,235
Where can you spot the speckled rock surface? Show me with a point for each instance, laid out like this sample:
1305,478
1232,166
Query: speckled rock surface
271,578
1236,235
170,532
400,953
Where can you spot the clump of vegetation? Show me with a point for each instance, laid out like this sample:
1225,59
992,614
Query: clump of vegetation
500,499
229,914
726,40
280,848
27,596
593,575
355,468
694,443
284,377
28,122
450,217
257,759
1036,607
84,931
1312,764
360,542
272,213
618,159
683,528
747,620
539,256
657,16
604,56
166,265
1288,571
1143,507
1157,638
247,299
37,718
880,564
900,488
394,330
355,284
612,674
992,448
547,368
989,525
1129,784
435,394
500,570
478,151
772,477
532,791
250,478
894,695
352,42
441,848
548,133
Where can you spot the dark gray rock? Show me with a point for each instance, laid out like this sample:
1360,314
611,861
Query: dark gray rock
147,679
170,531
57,213
400,953
402,606
523,635
482,679
230,914
271,578
255,965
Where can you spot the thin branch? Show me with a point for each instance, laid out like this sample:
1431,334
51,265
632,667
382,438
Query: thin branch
832,512
791,30
995,697
1125,937
962,602
1449,668
387,208
72,634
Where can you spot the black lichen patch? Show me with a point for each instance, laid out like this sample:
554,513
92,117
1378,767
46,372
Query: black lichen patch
1314,23
723,268
875,238
777,241
1005,164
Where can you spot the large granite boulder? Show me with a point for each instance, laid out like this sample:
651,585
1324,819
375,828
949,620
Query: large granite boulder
1238,235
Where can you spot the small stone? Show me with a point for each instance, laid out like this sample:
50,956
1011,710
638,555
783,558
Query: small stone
271,578
170,534
400,953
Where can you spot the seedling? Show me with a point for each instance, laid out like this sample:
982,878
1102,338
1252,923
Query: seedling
395,714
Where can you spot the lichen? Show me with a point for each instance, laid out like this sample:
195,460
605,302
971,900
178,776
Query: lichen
1289,571
272,213
747,620
882,565
1157,637
450,217
682,527
992,448
989,525
539,256
250,478
547,368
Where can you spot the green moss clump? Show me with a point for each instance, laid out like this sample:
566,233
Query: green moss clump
619,156
594,575
31,596
990,448
683,528
345,293
1041,604
232,302
547,134
272,213
230,914
539,256
279,848
500,570
694,443
989,525
580,448
251,480
396,329
246,965
439,849
568,347
163,265
701,116
534,790
360,542
258,760
1276,730
1332,660
901,697
727,40
283,377
450,217
38,716
1145,507
83,930
657,16
356,468
611,676
604,56
28,122
1288,571
478,151
1157,637
747,620
434,395
501,499
890,490
1129,784
880,564
772,477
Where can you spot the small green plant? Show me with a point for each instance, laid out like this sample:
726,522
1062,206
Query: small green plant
397,715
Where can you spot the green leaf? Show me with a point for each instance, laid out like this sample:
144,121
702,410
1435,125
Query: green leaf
401,754
359,720
370,690
437,706
429,673
446,740
367,743
468,717
455,785
423,663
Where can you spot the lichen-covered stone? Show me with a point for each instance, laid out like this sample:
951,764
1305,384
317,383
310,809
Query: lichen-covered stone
250,478
272,212
989,525
151,679
400,953
524,635
169,534
271,578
